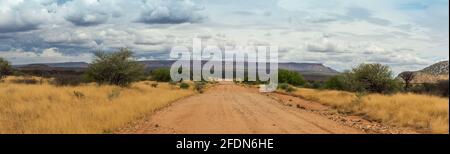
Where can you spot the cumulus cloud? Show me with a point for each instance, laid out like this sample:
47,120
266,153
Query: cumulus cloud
25,15
325,44
18,56
20,15
322,47
86,19
170,12
90,12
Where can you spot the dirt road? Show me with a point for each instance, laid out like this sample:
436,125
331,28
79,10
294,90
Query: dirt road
231,109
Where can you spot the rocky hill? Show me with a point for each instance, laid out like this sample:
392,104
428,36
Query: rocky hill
433,73
440,68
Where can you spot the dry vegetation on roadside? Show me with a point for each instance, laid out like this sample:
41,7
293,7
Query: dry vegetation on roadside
44,108
422,112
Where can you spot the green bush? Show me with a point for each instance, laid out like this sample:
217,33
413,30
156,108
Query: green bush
184,85
117,68
161,75
290,77
336,82
5,68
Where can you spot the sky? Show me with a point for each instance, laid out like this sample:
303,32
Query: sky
404,34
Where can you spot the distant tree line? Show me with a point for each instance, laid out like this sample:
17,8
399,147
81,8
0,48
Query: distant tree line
377,78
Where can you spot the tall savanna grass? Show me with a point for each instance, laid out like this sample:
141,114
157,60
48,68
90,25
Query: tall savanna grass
422,112
44,108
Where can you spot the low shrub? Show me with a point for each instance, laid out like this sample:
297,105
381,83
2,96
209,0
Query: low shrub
283,86
286,87
78,94
199,86
114,94
184,85
154,85
173,83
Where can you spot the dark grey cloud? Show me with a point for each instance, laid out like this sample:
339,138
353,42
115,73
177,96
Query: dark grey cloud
12,28
167,16
88,19
321,48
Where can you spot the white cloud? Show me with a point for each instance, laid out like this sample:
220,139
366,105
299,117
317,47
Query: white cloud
50,55
170,12
20,15
90,12
324,45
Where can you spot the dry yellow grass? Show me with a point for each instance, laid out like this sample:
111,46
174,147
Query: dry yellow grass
43,108
422,112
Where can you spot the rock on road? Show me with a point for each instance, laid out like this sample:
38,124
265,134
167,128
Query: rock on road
232,109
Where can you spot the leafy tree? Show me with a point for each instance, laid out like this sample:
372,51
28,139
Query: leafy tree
116,68
5,68
372,78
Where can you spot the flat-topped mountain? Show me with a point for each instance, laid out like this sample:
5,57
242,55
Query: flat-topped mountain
311,71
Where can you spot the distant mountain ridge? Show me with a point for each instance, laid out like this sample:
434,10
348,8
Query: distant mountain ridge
311,71
62,65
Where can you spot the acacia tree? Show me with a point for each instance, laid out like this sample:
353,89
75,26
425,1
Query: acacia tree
5,68
372,78
407,78
116,68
